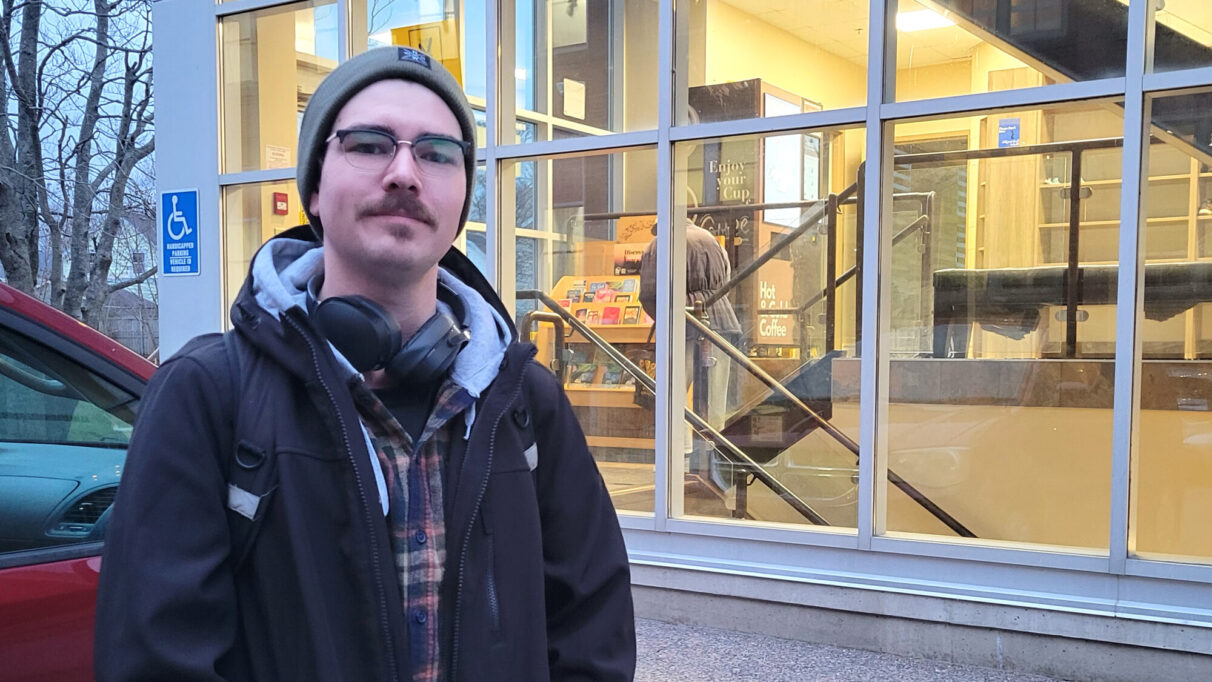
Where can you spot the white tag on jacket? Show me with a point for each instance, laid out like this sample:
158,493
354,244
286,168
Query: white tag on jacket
242,502
532,456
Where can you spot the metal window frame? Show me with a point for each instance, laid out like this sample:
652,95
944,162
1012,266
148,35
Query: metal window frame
880,112
1125,420
670,330
772,545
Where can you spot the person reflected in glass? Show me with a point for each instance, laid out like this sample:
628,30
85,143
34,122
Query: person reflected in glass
707,272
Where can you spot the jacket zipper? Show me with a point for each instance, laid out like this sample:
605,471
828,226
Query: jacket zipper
494,607
389,649
475,512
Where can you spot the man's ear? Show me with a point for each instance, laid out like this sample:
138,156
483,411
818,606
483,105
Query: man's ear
313,204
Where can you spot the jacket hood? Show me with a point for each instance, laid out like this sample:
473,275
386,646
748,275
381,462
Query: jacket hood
283,266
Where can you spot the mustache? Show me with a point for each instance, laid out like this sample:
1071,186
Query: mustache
406,205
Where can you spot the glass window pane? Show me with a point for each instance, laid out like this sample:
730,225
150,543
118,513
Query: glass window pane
1002,363
271,62
64,432
252,213
1182,37
1171,476
771,227
750,60
958,47
580,225
451,31
587,67
472,241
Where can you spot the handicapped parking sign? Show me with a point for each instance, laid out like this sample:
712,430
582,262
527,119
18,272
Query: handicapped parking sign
179,232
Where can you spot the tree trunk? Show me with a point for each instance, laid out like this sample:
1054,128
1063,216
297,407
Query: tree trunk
22,162
84,195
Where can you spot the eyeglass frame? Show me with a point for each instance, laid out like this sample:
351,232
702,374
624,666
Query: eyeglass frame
463,145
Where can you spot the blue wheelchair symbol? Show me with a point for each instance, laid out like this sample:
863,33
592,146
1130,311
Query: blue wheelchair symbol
177,216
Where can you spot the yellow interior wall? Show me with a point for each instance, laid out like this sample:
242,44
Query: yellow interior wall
740,47
986,58
934,80
1173,484
939,80
276,79
641,38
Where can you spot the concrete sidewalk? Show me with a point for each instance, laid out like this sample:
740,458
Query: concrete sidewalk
672,653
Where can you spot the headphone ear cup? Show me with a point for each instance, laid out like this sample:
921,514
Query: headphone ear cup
361,329
430,352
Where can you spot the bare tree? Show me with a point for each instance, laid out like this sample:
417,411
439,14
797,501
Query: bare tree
76,126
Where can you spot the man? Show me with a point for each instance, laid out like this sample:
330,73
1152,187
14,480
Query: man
370,480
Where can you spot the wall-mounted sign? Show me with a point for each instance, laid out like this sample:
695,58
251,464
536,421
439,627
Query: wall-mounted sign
281,204
277,156
775,286
1008,132
179,232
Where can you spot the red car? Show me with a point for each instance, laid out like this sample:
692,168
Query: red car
68,397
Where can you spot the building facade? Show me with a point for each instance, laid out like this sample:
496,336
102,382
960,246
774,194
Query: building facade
963,408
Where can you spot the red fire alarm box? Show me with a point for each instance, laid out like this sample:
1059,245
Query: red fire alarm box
280,201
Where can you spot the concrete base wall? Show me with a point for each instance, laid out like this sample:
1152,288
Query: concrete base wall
1071,658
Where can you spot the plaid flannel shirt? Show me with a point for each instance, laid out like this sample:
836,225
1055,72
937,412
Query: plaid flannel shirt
413,474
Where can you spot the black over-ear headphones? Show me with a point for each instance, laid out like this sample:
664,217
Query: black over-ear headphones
370,339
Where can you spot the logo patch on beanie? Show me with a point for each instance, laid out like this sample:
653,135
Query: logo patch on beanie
407,54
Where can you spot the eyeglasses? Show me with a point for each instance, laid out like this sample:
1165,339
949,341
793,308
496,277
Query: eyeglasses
373,150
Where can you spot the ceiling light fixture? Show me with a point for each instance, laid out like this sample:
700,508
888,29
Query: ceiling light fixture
921,20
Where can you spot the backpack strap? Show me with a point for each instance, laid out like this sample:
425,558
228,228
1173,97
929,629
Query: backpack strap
252,472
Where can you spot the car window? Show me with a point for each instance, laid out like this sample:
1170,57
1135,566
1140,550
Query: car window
64,430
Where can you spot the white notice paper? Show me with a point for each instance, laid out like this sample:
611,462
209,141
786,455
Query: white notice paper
574,99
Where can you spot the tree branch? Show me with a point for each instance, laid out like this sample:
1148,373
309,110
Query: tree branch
137,279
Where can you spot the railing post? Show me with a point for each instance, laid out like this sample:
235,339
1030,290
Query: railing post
927,289
859,216
1071,288
831,271
740,482
700,388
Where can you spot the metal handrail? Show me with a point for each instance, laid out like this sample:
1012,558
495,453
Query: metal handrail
729,450
828,427
560,365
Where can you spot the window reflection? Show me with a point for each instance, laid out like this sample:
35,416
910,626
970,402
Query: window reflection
1182,36
955,47
252,214
272,61
586,67
451,31
818,59
1002,341
580,223
771,225
1171,478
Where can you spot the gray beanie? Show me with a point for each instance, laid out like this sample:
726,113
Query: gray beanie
347,80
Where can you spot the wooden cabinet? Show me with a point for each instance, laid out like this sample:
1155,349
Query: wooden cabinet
601,392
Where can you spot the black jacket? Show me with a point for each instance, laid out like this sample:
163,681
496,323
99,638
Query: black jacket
536,584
